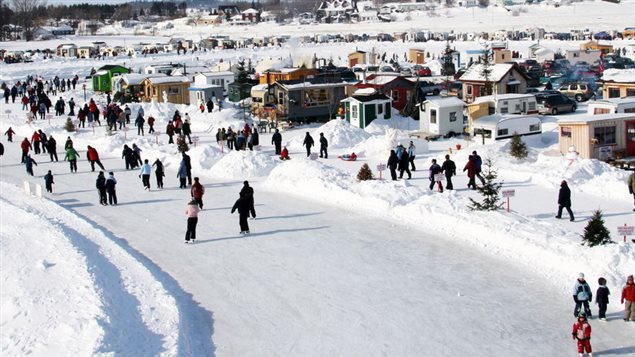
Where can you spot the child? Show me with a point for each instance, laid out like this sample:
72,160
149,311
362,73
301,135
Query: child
48,181
582,332
244,207
602,298
29,162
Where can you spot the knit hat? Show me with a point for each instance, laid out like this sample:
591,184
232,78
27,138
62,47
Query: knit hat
581,276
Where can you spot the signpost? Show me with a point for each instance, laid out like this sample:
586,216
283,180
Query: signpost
195,140
626,231
156,134
125,131
380,168
508,194
84,87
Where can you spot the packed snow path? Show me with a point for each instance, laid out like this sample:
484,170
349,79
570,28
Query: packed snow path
312,280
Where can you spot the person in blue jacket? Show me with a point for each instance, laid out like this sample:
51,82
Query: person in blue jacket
582,295
182,174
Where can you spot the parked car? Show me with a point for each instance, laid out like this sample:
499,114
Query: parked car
456,89
579,91
429,87
422,71
555,103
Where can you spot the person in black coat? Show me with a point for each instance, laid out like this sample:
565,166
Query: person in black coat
324,144
248,192
392,163
48,182
188,167
276,140
128,155
244,207
52,147
564,200
100,184
602,298
308,142
210,105
404,165
449,169
159,172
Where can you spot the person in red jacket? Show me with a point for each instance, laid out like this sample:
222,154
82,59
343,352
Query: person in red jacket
582,333
9,133
628,297
93,157
35,140
151,124
25,146
197,192
470,167
284,155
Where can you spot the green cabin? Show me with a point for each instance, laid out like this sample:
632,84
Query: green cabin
362,109
102,79
239,91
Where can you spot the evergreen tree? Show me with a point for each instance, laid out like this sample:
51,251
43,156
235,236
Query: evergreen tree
181,144
365,173
489,191
595,232
241,74
69,126
486,72
518,147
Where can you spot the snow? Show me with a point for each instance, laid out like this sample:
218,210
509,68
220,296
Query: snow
475,72
619,75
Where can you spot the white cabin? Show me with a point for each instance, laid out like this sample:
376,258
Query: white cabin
511,103
498,127
611,105
442,116
222,78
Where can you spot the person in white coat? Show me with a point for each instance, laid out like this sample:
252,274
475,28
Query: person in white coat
145,172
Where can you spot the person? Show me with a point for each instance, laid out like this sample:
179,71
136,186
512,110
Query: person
602,298
111,184
71,156
144,174
582,295
308,142
582,333
187,129
399,150
628,298
68,143
254,139
127,113
276,140
284,155
93,157
151,124
404,163
411,155
435,169
52,148
188,167
248,192
159,172
470,167
210,105
25,145
219,136
35,140
9,133
48,182
449,169
548,86
43,141
631,186
127,154
191,211
348,157
324,144
181,174
197,192
169,131
29,162
100,184
392,163
136,155
244,208
564,200
139,123
1,149
230,138
478,163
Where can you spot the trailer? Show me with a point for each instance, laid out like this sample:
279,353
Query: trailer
611,105
504,126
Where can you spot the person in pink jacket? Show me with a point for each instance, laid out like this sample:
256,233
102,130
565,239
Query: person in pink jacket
191,212
582,333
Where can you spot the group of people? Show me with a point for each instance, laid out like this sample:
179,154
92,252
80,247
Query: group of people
247,138
40,143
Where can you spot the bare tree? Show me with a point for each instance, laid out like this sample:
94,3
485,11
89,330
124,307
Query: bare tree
25,13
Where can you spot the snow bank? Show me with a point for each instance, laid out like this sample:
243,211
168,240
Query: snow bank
243,164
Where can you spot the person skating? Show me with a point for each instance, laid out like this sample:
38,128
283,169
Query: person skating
435,169
35,141
93,158
159,172
324,144
144,174
111,188
188,167
582,295
230,138
244,207
181,174
631,186
139,124
254,140
25,145
197,191
29,162
169,131
392,163
43,141
9,133
564,200
100,184
449,169
308,142
276,140
582,334
71,156
187,129
411,155
602,298
248,192
404,163
191,211
628,298
136,155
150,124
51,144
68,143
48,182
210,105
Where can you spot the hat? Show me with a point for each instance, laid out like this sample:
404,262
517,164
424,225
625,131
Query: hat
564,182
582,314
581,276
245,182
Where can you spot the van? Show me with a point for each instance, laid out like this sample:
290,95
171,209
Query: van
555,103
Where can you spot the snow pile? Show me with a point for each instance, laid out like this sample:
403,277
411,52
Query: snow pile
243,164
339,133
397,122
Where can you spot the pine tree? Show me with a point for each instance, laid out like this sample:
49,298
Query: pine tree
595,232
69,126
181,144
486,72
518,147
365,173
489,191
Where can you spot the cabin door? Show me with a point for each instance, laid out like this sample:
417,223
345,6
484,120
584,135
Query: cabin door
630,138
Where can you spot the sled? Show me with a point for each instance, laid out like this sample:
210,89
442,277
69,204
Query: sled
347,158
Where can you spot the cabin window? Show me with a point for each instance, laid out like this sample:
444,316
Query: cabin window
174,90
354,111
565,131
395,95
601,111
517,108
433,116
280,97
504,110
256,99
629,110
531,106
614,92
469,89
316,97
534,127
605,135
630,92
452,116
502,132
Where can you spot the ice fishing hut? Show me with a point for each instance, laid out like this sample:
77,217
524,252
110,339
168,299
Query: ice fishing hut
366,105
503,126
442,116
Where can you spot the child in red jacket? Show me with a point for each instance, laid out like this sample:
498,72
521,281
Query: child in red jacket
582,332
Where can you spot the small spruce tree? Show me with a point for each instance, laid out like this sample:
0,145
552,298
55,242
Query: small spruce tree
365,173
489,191
518,147
69,126
181,144
595,232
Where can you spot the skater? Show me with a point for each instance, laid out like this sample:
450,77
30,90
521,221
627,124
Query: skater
151,124
48,182
582,333
43,141
139,123
628,298
197,192
324,144
71,156
470,167
52,148
582,295
308,142
392,163
144,174
25,145
248,192
404,162
159,172
100,184
29,162
631,184
411,155
276,140
188,167
9,133
191,212
136,155
111,184
169,131
187,131
435,169
181,174
564,200
602,298
68,143
244,208
127,112
93,157
449,169
35,141
478,162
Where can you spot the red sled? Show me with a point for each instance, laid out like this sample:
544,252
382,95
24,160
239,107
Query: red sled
352,157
